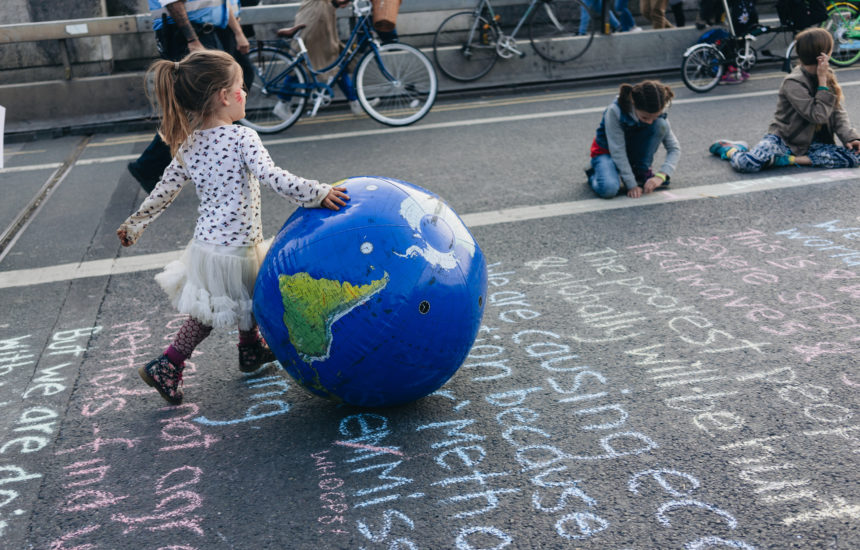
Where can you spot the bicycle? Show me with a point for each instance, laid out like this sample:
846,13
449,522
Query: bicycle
468,43
704,64
395,83
843,22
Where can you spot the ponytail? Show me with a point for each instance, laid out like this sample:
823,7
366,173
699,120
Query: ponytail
186,91
175,121
650,96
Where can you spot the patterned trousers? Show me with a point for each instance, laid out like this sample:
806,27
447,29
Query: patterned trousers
822,155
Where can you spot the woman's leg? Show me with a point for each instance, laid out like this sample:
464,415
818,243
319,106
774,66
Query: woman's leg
585,17
605,180
625,17
824,155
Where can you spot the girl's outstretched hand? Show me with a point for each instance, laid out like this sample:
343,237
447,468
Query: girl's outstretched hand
336,198
854,145
123,237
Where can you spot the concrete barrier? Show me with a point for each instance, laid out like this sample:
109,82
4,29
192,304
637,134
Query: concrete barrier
61,105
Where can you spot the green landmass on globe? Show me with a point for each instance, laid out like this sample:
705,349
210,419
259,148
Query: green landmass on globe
311,307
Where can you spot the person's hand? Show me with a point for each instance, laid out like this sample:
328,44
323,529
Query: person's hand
854,145
635,193
123,237
823,69
195,45
336,198
242,44
653,183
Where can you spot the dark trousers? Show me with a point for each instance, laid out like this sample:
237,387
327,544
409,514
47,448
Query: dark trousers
173,46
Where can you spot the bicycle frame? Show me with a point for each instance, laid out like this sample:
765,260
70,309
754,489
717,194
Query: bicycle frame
359,40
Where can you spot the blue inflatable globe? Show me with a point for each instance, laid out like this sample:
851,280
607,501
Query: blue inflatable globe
376,304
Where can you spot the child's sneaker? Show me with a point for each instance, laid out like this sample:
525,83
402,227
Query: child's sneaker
164,376
253,356
732,76
723,148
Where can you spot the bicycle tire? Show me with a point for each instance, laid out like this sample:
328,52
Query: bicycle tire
702,67
840,22
273,104
554,30
397,86
464,47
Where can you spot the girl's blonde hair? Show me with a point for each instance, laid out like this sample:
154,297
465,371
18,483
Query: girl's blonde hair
810,44
187,90
650,96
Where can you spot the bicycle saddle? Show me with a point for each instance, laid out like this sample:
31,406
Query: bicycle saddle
291,31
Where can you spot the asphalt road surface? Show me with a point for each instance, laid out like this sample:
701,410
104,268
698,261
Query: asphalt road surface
676,371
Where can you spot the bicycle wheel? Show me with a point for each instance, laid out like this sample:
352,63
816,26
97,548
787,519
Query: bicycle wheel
556,31
274,103
841,22
702,67
465,46
396,87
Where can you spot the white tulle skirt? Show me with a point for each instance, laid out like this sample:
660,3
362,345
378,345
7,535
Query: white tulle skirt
215,284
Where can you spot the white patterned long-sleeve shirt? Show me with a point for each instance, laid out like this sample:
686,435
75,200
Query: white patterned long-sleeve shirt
227,165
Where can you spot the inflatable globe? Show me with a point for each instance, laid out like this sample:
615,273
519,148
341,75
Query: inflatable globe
376,304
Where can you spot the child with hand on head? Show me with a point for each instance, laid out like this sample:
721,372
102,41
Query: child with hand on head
630,133
809,111
200,97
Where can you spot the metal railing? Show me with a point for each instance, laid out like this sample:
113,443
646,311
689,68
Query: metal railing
70,29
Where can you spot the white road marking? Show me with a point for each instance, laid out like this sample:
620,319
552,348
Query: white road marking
421,127
148,262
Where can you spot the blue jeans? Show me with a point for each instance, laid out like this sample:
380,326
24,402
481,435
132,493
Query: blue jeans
625,18
641,143
596,6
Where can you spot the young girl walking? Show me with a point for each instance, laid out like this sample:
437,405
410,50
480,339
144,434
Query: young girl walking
809,111
630,133
200,97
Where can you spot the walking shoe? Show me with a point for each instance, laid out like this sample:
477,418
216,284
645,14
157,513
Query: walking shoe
724,148
589,174
164,376
732,77
253,356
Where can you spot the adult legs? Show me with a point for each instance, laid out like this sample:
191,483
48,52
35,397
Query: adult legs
596,6
625,17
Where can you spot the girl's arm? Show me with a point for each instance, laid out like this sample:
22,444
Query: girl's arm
815,108
304,192
618,146
842,126
165,191
673,151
